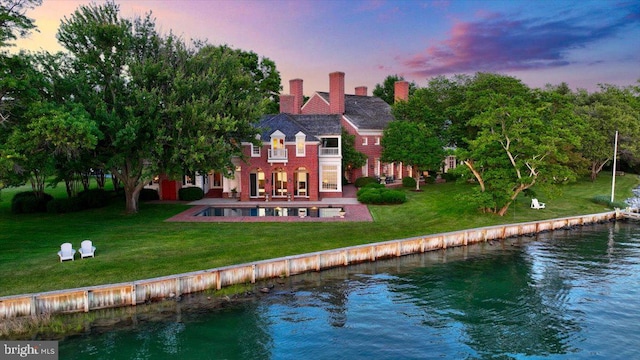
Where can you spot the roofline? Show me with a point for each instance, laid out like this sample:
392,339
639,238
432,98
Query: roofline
362,131
314,94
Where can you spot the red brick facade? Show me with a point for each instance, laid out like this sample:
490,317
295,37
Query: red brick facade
294,163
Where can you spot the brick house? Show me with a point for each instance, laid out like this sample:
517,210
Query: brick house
301,156
301,153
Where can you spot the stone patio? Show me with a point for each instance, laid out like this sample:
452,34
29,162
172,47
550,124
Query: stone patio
354,211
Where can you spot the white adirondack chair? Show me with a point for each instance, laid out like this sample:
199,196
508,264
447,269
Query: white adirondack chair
66,252
535,204
87,249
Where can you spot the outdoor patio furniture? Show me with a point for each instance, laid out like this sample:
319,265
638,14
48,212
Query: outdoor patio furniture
66,252
537,205
87,249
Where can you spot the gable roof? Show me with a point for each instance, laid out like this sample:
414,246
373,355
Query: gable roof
365,112
314,126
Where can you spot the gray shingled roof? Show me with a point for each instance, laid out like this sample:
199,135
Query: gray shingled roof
314,126
366,112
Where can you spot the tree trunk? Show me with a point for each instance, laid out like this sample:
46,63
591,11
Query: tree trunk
130,177
417,177
100,179
517,192
596,167
84,177
131,196
476,174
69,185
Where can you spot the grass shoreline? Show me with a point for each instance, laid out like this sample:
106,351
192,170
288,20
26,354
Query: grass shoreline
141,246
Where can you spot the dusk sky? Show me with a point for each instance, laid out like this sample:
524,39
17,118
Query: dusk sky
582,43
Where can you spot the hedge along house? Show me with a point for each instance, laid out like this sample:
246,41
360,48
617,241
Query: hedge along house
301,156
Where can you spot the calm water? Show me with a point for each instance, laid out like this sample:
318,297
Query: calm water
562,295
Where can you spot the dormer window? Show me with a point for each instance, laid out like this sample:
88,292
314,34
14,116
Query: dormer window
300,144
278,151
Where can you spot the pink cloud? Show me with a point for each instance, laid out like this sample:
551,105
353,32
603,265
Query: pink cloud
497,42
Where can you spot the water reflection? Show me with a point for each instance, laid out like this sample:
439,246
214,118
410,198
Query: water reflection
566,294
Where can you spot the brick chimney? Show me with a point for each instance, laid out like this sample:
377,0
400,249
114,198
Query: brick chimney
295,89
361,91
336,93
401,91
287,104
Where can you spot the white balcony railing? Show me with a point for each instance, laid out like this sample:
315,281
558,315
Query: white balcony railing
278,154
329,151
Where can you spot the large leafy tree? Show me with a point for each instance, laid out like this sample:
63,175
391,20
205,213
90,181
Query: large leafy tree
13,20
161,105
52,133
604,112
414,144
443,101
522,139
15,74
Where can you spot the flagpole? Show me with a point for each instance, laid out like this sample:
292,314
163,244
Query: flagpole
615,153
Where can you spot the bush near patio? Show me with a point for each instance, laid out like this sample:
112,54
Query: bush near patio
364,181
409,182
378,194
190,194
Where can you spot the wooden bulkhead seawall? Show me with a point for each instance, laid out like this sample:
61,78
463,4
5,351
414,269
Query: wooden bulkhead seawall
142,291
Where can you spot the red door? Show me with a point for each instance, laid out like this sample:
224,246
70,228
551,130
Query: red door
169,189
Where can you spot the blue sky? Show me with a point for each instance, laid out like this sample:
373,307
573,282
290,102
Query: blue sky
582,43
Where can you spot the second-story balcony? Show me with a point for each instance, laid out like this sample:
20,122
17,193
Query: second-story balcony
329,151
278,155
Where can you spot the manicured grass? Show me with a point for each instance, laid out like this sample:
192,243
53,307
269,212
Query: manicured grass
131,247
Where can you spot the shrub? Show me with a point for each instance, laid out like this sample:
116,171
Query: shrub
149,195
409,182
363,181
374,185
393,197
93,198
450,176
429,180
66,205
26,202
190,193
381,196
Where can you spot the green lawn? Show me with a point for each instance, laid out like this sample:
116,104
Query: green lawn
140,246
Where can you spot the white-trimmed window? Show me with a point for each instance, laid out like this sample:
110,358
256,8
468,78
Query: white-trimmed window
255,150
365,141
377,140
300,144
329,177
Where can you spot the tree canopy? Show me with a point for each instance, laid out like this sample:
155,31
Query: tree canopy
604,112
160,105
414,144
13,21
127,100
